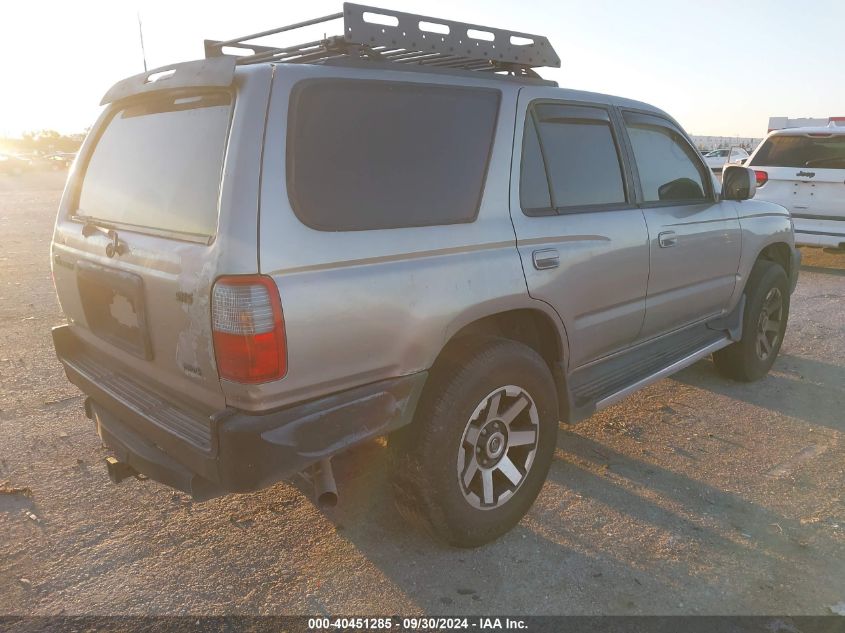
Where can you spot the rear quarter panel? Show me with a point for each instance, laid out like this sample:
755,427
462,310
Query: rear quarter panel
362,306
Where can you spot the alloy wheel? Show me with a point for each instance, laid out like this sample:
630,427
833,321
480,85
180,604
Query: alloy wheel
769,324
498,447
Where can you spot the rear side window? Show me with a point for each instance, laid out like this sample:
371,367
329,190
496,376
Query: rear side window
802,151
669,168
378,155
582,165
533,182
157,165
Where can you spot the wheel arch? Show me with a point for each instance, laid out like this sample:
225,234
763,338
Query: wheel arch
533,327
778,252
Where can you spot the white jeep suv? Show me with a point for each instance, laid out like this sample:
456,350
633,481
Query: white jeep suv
803,169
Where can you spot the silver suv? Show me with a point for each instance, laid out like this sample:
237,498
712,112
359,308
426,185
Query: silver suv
266,259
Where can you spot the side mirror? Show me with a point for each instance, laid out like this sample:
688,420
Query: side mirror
738,183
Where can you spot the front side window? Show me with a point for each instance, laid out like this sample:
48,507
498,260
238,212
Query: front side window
579,152
668,166
365,155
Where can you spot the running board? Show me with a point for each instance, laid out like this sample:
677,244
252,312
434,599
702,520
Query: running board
677,366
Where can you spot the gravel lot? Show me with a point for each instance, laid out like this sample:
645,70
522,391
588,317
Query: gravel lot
694,496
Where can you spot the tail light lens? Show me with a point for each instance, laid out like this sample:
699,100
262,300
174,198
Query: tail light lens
762,177
248,329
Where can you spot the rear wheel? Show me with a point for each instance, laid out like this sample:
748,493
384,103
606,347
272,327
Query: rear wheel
764,324
474,460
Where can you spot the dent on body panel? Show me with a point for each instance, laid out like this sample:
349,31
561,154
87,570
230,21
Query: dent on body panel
194,345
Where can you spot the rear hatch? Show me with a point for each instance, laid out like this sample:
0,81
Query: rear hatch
805,172
135,249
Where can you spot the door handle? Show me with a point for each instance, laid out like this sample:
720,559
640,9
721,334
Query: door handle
546,258
667,239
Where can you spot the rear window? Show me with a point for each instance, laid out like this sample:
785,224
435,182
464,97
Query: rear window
802,151
581,158
158,163
378,155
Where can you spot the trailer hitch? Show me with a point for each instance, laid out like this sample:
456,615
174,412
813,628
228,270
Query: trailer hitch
118,471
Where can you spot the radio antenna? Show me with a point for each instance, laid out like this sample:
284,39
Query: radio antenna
141,34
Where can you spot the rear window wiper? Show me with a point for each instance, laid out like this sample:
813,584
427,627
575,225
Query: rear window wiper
93,226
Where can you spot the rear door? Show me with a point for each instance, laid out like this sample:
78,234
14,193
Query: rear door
582,240
806,174
137,241
694,238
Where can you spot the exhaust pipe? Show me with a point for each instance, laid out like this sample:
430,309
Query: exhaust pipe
325,488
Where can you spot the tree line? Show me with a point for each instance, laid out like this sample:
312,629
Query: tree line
42,142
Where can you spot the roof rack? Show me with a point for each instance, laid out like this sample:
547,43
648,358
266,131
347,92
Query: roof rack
372,33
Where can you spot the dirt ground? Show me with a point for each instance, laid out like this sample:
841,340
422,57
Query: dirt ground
695,496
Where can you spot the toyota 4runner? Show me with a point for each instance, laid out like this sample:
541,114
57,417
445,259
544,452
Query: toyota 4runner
270,257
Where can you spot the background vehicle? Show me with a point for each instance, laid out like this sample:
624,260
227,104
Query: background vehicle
388,253
803,169
783,122
60,160
718,158
14,165
53,162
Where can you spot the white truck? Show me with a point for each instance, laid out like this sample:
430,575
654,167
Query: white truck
785,123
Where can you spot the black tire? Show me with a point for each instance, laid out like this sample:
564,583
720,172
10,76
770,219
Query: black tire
742,360
427,487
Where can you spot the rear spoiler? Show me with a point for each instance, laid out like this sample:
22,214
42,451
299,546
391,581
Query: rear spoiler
215,72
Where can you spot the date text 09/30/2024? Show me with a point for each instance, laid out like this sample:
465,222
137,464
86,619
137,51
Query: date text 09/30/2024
416,624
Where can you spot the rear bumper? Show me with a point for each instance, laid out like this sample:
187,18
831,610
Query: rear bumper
819,238
818,230
228,451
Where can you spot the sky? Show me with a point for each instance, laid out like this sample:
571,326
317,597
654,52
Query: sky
720,67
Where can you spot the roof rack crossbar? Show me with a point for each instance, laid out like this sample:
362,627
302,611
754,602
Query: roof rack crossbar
277,54
281,29
406,38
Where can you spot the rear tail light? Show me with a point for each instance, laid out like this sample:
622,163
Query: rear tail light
762,177
248,329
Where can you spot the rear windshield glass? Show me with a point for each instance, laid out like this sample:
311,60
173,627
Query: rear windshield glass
379,155
157,165
802,151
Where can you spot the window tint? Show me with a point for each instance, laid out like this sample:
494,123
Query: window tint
378,155
802,151
533,184
668,167
157,165
581,157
